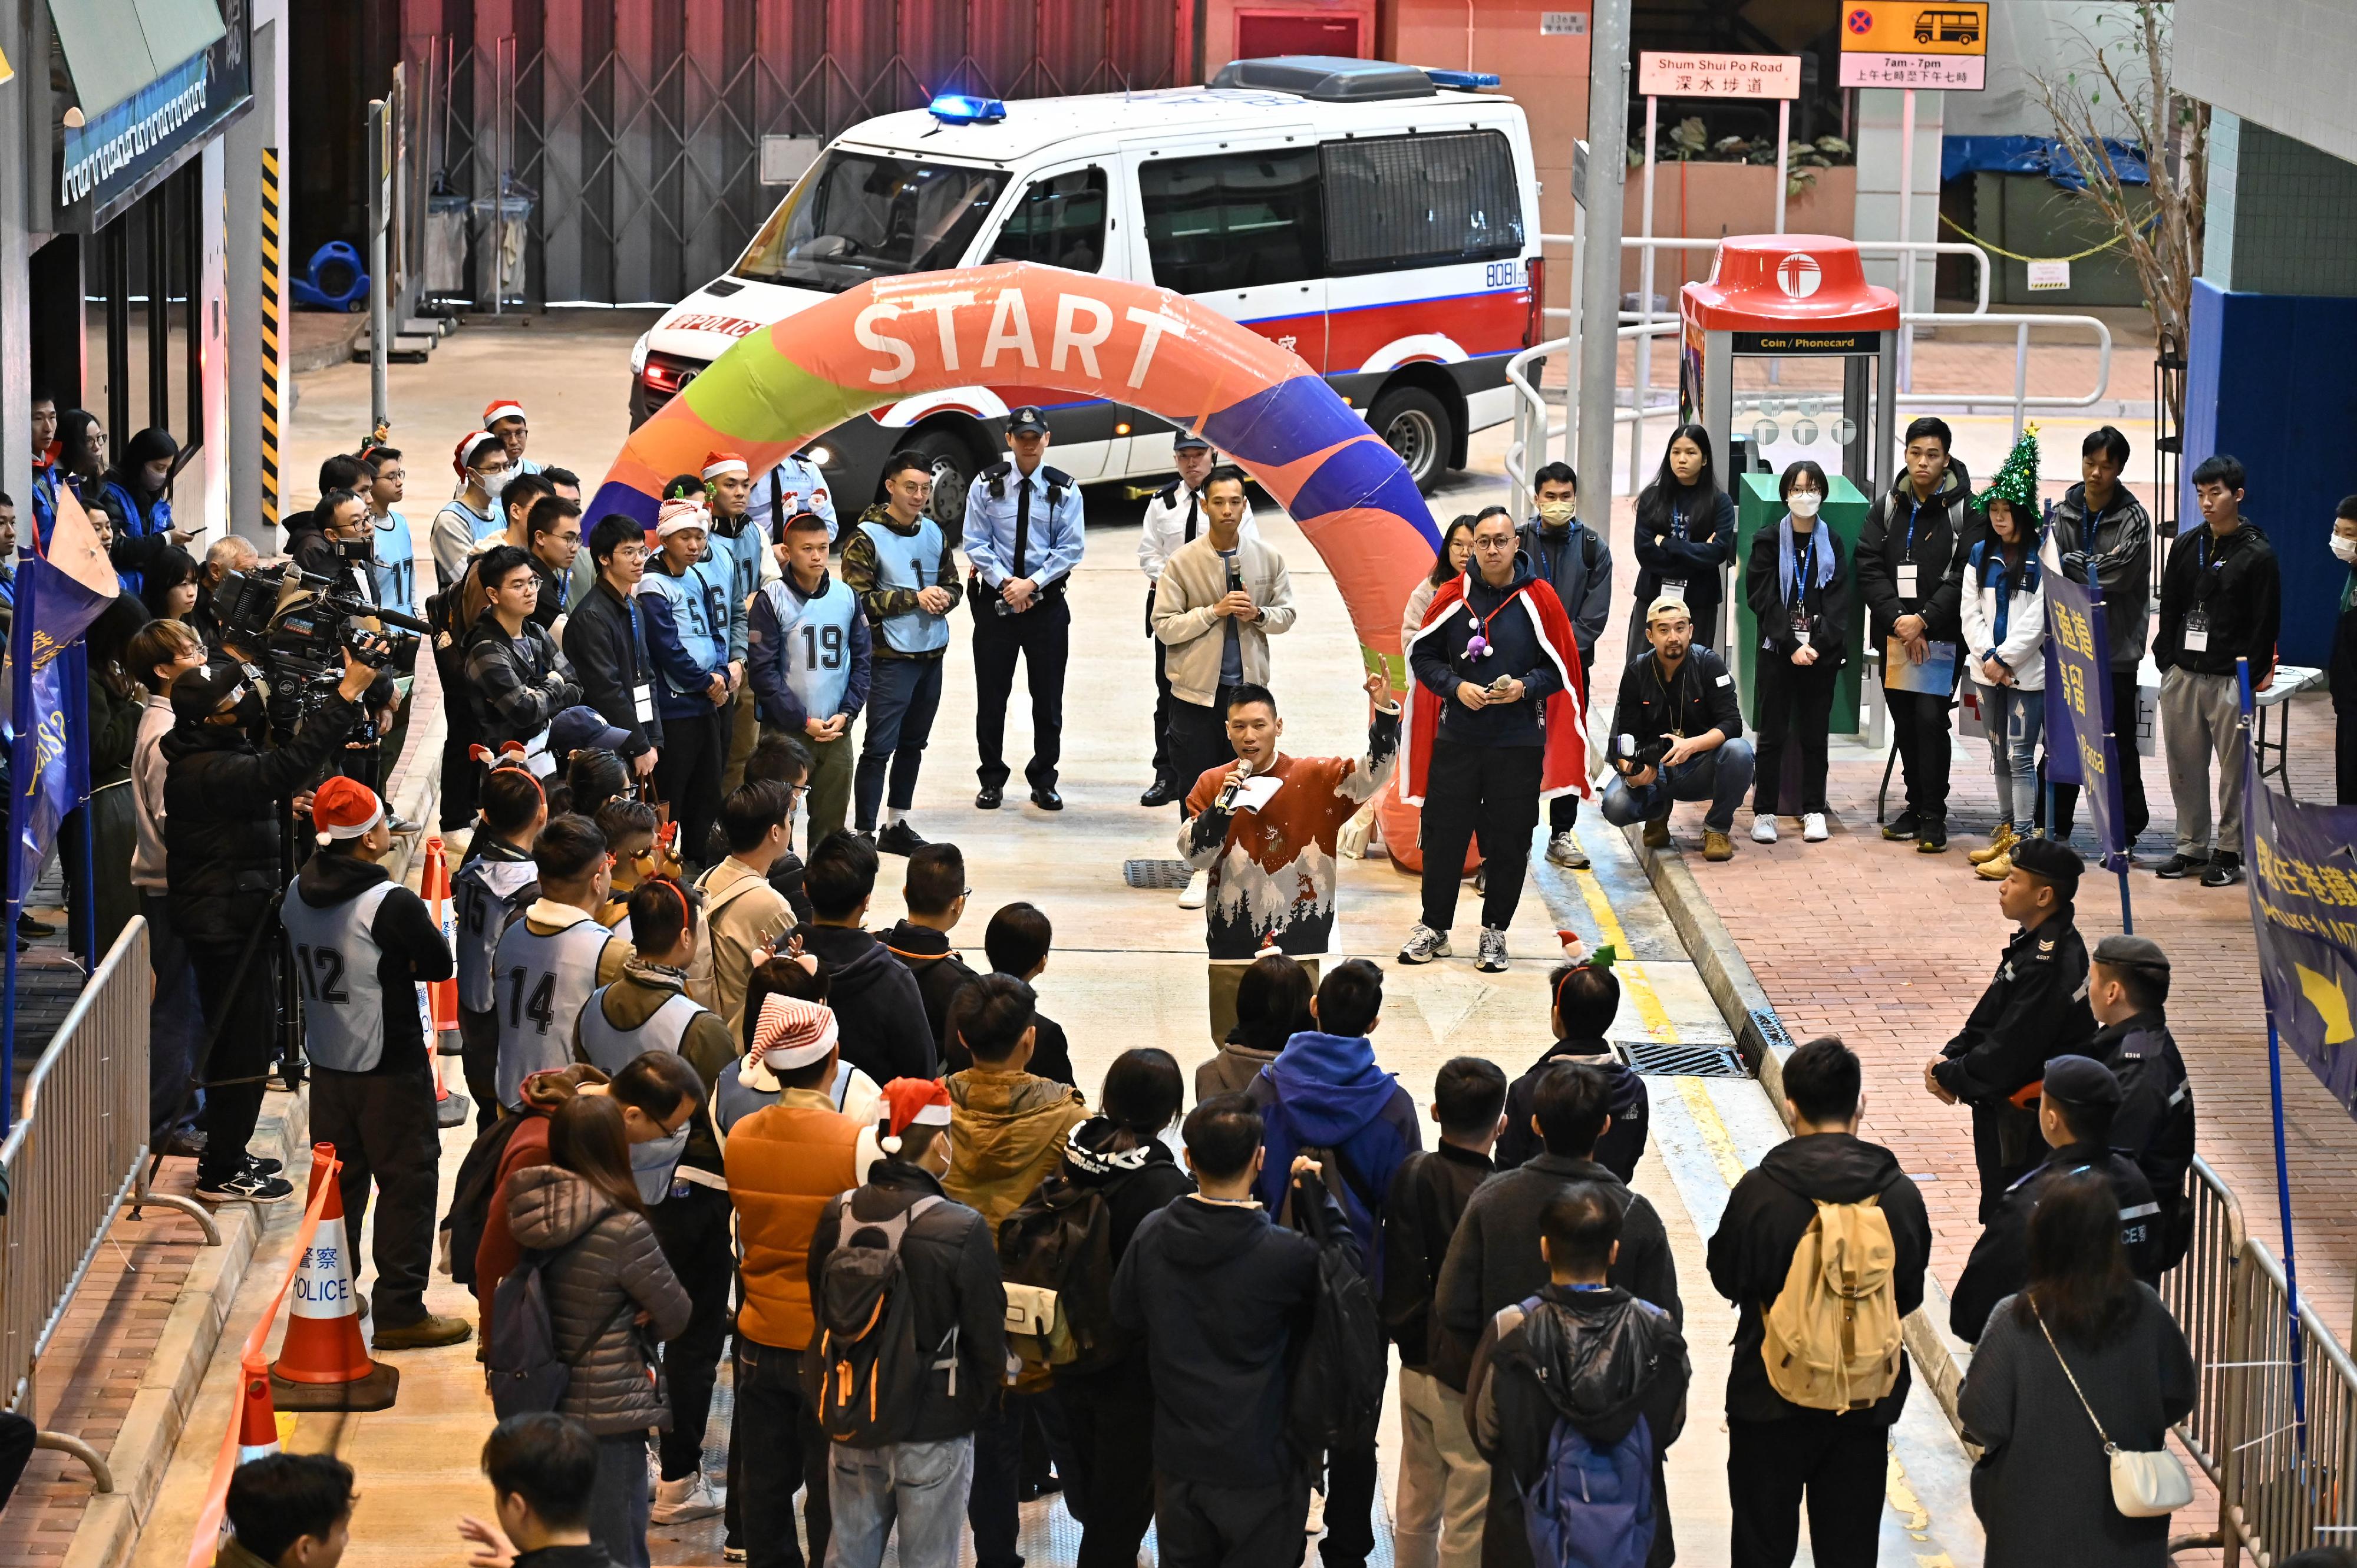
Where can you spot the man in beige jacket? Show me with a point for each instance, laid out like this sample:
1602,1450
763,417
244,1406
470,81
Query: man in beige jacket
743,914
1218,602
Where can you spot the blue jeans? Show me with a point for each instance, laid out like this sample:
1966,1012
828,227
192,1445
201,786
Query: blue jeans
2015,719
903,694
1721,776
919,1487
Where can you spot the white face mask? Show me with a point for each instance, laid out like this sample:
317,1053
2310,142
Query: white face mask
2346,548
1803,503
493,484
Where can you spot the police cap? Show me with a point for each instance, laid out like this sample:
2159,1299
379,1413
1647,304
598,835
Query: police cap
1026,421
1188,441
2081,1083
2051,862
2131,953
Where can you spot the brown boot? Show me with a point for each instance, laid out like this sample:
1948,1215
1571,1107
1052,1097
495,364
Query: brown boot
1716,845
426,1333
1657,832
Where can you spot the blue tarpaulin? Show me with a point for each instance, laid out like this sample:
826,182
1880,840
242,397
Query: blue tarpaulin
2033,155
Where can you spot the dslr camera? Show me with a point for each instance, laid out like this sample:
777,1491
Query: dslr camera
1629,756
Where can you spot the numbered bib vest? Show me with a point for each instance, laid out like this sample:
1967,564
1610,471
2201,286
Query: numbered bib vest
485,894
612,1049
539,985
335,956
817,635
395,570
910,561
742,556
479,525
699,614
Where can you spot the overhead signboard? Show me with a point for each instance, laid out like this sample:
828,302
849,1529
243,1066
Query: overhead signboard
1681,73
1906,43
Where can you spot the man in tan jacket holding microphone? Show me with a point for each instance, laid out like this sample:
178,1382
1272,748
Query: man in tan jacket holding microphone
1218,602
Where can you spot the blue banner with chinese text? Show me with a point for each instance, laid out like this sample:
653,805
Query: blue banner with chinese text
2304,908
2082,747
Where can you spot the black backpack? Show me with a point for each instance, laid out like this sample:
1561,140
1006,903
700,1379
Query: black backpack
1337,1366
471,1199
1055,1255
521,1363
863,1375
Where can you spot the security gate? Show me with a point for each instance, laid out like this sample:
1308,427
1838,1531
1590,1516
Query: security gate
615,149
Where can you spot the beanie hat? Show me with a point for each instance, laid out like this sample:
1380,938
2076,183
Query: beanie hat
719,463
793,1033
2015,482
501,408
344,809
912,1102
676,515
470,445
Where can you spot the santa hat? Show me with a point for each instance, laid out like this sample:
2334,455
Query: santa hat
719,463
789,1034
912,1102
501,408
678,514
342,809
470,447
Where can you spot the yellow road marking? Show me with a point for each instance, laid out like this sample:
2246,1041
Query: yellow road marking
1655,1017
1715,1135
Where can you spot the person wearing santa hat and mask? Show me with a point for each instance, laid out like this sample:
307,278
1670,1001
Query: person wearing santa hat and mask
916,1487
685,598
737,549
362,944
473,513
503,417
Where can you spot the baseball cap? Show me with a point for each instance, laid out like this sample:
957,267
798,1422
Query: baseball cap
582,727
1663,605
203,692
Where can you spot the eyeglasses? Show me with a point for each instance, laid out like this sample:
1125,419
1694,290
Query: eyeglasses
1494,544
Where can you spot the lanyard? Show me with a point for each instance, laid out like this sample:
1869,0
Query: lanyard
1677,522
1477,645
631,606
1803,562
1914,510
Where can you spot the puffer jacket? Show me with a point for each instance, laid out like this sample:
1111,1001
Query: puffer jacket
608,1267
220,823
1006,1133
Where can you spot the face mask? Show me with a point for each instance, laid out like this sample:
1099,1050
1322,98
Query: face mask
653,1163
2345,548
1555,514
1803,503
495,485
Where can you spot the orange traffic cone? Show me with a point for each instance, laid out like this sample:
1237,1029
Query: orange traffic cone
322,1364
437,1000
257,1420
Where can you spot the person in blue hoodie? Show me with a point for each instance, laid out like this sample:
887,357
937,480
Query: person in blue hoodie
1324,1092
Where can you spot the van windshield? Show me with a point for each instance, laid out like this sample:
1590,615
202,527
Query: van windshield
860,216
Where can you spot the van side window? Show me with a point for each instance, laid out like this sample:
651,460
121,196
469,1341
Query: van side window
1420,201
1060,221
1236,221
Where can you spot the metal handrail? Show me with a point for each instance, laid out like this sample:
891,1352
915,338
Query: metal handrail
2285,1483
2197,1292
74,1158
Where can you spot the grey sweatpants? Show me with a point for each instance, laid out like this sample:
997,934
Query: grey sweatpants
2198,716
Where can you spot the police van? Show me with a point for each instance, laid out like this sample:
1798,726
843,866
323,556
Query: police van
1380,221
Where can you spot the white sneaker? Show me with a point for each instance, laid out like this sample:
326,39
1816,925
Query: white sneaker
1563,850
1492,959
1197,892
1813,828
1423,944
1764,829
678,1502
1315,1523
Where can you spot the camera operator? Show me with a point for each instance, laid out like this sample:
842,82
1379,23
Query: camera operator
224,803
1679,737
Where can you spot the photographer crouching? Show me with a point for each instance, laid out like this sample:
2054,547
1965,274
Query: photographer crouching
1679,735
226,804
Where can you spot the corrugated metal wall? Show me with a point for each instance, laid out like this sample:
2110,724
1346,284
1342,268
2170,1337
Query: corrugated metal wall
637,124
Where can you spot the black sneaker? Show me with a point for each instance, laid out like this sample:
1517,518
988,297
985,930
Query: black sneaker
262,1166
899,838
2226,870
28,926
2178,866
1901,828
1931,836
244,1187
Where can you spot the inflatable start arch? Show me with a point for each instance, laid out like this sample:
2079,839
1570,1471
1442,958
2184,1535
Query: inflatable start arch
1036,325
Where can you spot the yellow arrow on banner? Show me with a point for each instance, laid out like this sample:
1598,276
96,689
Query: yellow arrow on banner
2332,1003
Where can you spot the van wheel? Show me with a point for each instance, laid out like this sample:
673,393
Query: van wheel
1415,425
953,469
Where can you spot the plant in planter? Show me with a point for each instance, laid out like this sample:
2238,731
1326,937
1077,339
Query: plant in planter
1690,141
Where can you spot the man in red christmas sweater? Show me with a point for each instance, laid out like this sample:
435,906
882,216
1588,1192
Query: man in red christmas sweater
1264,828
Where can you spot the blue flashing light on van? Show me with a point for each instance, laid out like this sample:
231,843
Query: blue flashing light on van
965,109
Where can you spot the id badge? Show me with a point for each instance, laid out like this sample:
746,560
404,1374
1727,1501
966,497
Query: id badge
642,697
1673,588
2197,633
1801,627
1907,579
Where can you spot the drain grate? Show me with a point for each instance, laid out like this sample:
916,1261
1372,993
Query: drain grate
1660,1059
1156,874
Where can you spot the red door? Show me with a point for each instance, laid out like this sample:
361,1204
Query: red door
1260,34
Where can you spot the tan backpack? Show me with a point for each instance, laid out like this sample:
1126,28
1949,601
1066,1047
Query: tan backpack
1832,1334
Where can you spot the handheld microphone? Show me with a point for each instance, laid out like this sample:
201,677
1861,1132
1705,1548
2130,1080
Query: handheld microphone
1228,796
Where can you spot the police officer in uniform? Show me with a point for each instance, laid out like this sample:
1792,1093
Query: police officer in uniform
1173,518
548,963
810,662
2126,990
2035,1009
2076,1115
1024,535
361,944
795,485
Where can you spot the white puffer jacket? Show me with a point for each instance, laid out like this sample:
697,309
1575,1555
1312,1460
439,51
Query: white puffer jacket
2004,611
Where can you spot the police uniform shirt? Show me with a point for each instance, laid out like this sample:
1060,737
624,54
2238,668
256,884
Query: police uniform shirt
1019,525
795,485
1999,1264
1173,518
2035,1009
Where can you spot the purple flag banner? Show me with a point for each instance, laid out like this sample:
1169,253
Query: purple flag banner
48,756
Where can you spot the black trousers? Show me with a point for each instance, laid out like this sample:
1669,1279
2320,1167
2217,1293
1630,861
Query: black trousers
246,1013
176,1022
1838,1462
1162,697
688,766
776,1446
461,776
1795,705
478,1058
2344,758
994,1506
16,1434
1919,724
2136,813
1198,740
1199,1525
693,1228
1043,637
2006,1144
1351,1484
1108,1424
382,1126
1493,790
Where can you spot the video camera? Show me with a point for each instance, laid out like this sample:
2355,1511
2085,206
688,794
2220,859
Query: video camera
303,623
1626,755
